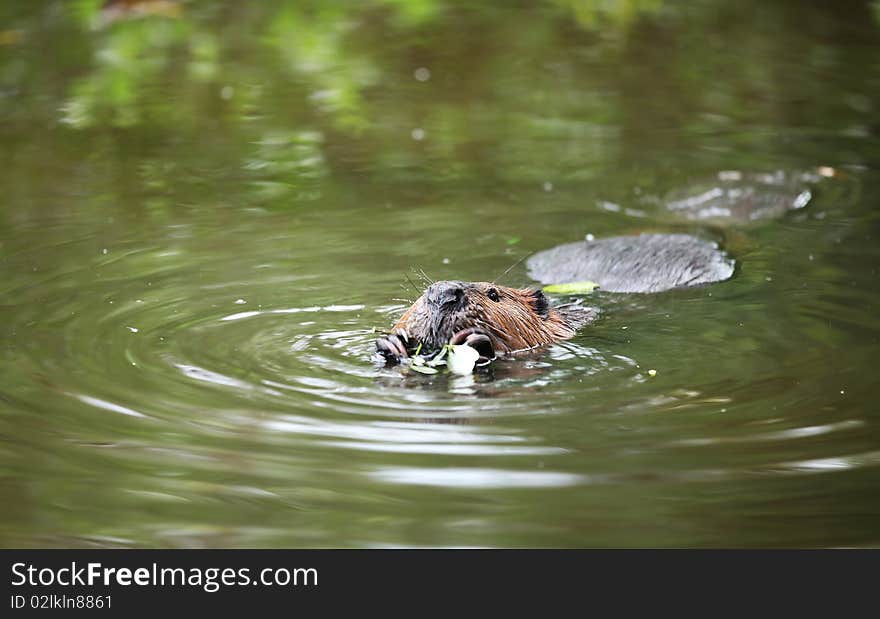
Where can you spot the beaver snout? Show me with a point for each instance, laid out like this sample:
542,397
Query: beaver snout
447,296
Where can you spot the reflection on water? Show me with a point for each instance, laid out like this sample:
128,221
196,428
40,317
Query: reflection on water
476,478
208,211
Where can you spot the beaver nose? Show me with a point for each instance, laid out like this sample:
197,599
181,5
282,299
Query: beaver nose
445,294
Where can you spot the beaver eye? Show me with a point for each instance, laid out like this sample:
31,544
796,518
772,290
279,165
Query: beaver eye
493,294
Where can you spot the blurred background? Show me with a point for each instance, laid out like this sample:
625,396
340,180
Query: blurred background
207,208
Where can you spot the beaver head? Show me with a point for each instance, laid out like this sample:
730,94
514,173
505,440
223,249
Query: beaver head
493,319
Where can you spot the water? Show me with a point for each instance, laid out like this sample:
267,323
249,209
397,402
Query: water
205,215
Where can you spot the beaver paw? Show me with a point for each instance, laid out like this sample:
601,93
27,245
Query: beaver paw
393,347
477,340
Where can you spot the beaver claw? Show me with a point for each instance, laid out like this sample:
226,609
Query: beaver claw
477,340
393,347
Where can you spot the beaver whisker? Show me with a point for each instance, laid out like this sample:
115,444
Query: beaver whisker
425,276
510,268
422,276
412,283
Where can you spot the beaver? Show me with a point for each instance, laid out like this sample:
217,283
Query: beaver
497,320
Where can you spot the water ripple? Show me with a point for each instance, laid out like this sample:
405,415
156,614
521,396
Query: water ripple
476,478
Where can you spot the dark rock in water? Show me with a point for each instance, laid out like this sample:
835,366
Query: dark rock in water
645,263
735,197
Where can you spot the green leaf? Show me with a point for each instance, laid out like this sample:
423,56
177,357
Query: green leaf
571,288
438,359
423,369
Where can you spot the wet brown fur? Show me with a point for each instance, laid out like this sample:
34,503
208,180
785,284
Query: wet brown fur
520,319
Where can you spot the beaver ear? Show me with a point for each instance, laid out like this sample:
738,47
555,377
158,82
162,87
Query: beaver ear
540,302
